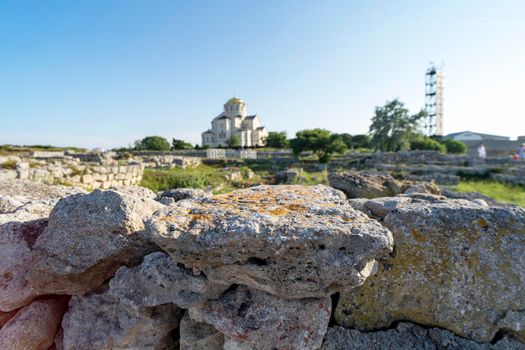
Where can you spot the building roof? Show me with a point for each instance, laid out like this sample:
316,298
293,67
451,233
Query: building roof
223,117
208,132
251,116
476,133
234,101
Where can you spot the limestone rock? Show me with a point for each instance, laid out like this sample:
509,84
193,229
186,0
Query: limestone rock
290,241
88,237
408,336
16,242
179,194
456,265
99,320
199,336
514,323
6,316
25,190
266,322
34,326
372,185
137,191
160,280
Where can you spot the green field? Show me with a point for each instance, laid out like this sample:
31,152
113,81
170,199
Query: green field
501,192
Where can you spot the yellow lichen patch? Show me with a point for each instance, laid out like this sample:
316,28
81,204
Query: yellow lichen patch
201,217
483,223
279,211
418,236
296,207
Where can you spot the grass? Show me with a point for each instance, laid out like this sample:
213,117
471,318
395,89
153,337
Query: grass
9,164
510,194
202,177
312,178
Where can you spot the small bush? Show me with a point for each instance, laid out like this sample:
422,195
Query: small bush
422,142
454,147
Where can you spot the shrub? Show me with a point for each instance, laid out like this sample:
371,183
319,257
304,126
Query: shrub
455,147
421,142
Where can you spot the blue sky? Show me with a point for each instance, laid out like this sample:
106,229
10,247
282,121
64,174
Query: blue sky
104,73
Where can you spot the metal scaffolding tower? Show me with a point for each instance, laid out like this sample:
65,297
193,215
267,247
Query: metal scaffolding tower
434,101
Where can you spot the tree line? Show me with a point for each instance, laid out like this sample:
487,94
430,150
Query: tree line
392,129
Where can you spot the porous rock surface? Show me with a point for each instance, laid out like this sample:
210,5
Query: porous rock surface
34,326
16,242
266,322
99,320
456,265
408,336
290,241
87,238
160,280
199,336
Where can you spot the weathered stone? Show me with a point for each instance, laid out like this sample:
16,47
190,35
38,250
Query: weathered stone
6,316
365,185
34,326
16,242
514,323
88,237
136,191
290,241
230,344
26,191
9,203
99,320
456,265
199,336
379,207
160,280
409,336
264,321
372,185
179,194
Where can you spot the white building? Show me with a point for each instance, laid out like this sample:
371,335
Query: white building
234,121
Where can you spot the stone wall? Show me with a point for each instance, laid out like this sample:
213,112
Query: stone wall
270,267
71,171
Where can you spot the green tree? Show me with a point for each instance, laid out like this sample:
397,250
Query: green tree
347,139
180,144
152,143
320,141
454,146
361,141
277,139
234,142
392,127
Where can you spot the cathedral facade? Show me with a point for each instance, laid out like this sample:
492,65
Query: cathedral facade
234,121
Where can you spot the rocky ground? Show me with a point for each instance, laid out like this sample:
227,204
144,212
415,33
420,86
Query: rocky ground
390,265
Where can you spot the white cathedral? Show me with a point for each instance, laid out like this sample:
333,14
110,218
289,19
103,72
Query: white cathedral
234,121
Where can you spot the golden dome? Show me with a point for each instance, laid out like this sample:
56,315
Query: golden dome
234,101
